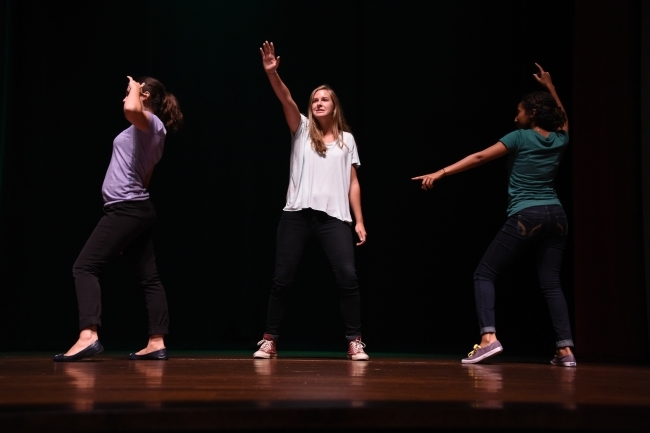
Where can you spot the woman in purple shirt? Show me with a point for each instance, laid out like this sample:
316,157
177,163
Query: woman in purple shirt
130,215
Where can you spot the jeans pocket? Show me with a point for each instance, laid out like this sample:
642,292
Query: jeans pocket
561,226
528,226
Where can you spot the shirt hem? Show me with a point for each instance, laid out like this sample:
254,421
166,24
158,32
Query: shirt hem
530,203
338,217
108,203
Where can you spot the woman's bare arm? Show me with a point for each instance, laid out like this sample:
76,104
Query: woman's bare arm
134,108
495,151
271,64
544,78
355,205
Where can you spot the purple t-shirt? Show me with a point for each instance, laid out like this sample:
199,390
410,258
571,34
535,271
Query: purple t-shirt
135,153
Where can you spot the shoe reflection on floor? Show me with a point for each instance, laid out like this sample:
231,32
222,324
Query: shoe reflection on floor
264,367
357,371
488,380
153,373
566,378
83,377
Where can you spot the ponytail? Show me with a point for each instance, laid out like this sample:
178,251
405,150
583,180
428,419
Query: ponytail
164,104
170,113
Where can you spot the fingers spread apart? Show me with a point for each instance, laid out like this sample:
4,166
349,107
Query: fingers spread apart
267,49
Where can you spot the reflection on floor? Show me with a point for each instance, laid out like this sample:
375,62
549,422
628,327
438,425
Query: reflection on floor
213,392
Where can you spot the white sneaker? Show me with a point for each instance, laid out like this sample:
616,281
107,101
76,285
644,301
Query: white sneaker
267,348
355,350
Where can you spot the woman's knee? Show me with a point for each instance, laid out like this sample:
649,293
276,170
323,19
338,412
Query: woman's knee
550,286
82,268
346,279
280,289
483,273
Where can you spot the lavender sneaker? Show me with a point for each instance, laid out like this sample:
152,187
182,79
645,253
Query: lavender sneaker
564,361
479,353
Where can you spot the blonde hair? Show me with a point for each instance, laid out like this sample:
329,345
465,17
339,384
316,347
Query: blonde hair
339,124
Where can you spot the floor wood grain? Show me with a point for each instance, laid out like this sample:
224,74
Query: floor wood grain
216,392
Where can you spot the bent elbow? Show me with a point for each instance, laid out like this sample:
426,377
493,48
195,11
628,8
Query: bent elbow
130,109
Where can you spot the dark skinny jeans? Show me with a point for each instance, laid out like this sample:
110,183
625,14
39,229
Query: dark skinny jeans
125,229
540,228
335,237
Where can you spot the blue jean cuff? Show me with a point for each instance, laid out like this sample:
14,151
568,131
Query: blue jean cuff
352,337
488,329
564,343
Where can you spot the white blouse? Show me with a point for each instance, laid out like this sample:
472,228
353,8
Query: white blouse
321,182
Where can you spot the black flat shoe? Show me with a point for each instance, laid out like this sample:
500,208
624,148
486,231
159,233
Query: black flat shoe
158,355
94,349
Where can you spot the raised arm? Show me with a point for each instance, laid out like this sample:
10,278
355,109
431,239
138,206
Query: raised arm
544,78
271,64
134,105
495,151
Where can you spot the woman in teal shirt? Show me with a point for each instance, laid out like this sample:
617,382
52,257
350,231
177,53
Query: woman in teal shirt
536,219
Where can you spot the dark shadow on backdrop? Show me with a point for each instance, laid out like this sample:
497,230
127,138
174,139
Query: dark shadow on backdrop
608,174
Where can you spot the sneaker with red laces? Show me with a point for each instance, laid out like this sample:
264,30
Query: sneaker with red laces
267,348
355,350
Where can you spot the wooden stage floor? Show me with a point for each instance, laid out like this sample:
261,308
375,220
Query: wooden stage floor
232,392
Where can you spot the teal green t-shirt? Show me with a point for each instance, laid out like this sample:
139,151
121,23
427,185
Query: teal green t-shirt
532,164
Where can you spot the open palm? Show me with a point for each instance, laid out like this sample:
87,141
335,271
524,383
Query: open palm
269,61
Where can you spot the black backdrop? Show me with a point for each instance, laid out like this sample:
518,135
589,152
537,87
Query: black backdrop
422,84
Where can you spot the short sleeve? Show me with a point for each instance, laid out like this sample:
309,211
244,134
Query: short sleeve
564,135
352,145
512,140
155,125
156,128
153,139
303,128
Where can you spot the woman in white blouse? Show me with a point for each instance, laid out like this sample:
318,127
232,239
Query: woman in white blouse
323,187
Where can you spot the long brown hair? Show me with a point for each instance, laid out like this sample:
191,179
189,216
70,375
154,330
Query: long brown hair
164,104
315,131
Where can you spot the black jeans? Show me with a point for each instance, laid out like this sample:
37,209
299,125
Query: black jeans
335,236
125,229
543,229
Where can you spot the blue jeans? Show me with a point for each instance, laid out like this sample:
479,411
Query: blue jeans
543,229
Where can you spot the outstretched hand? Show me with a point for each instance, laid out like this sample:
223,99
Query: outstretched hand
269,61
544,78
429,179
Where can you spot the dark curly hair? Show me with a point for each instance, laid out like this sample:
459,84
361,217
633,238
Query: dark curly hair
548,114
